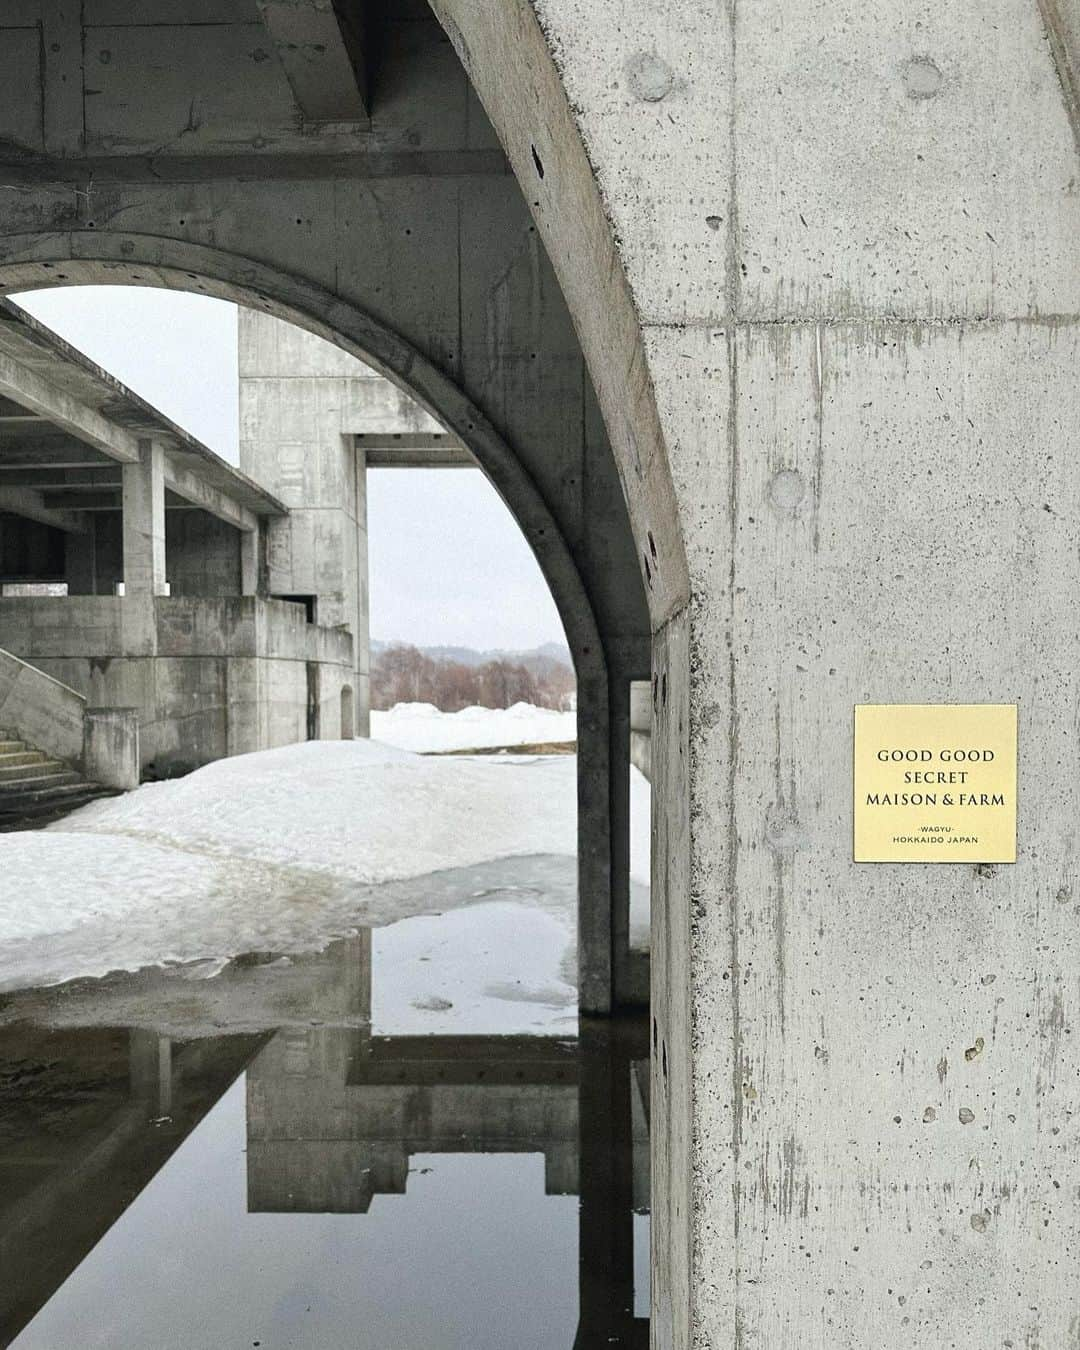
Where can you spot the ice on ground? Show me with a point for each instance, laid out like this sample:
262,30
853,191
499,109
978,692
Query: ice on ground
423,728
278,851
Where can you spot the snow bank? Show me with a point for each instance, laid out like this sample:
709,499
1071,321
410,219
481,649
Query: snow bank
354,810
278,851
422,727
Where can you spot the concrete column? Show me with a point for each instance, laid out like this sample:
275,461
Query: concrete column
630,986
250,561
606,1181
111,747
144,522
596,967
362,623
297,397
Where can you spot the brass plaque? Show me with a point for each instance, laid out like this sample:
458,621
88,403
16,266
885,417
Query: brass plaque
935,782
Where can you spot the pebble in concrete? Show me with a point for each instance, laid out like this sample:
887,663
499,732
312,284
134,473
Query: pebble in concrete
650,78
922,78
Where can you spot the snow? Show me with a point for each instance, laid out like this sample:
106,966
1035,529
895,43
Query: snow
422,727
288,849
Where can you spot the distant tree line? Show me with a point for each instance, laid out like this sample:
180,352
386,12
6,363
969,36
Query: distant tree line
401,674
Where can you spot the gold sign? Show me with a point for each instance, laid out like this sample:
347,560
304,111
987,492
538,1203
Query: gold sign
935,782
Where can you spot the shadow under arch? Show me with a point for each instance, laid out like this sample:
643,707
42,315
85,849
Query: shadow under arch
111,258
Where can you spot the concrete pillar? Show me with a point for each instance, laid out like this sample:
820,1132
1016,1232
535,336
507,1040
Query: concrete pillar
250,561
606,1181
641,726
144,522
628,990
111,747
362,625
150,1063
596,959
296,393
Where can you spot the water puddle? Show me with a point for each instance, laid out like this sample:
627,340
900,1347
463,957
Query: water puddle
403,1140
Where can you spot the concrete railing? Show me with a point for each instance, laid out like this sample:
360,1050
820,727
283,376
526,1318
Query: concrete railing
37,709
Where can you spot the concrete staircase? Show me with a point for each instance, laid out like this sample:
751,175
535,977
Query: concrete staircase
36,790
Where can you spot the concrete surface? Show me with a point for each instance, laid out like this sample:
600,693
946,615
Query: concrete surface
111,747
209,677
820,263
40,709
300,401
848,233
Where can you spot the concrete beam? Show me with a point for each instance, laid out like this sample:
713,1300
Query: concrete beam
413,450
22,501
46,400
73,480
84,499
420,459
320,46
208,498
50,452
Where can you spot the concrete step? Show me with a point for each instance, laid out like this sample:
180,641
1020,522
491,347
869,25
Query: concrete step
33,793
56,780
19,772
12,758
8,747
36,815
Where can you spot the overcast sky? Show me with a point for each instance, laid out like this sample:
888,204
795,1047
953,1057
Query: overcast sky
449,565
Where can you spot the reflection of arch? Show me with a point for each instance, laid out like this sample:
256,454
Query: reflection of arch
33,262
348,716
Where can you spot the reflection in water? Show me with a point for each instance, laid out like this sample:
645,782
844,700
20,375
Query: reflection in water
311,1184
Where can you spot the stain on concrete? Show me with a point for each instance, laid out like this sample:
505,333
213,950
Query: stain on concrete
787,489
922,78
651,79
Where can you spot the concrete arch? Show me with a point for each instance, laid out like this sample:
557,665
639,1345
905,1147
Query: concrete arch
105,258
512,66
31,262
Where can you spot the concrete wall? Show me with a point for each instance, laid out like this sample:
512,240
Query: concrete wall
848,233
202,555
209,677
299,397
37,708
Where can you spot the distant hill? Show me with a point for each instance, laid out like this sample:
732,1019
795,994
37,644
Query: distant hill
539,661
459,677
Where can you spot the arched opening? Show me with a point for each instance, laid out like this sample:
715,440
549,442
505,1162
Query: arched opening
552,1099
608,974
347,717
428,266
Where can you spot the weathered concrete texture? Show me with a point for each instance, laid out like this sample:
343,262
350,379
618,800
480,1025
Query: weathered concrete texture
209,677
41,709
111,747
849,232
641,719
299,399
143,523
203,555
